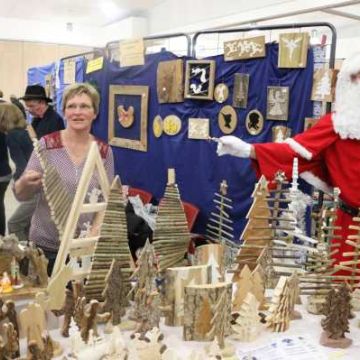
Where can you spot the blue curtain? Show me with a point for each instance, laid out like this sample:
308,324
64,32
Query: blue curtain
199,170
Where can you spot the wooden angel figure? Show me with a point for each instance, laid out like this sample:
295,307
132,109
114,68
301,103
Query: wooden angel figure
336,323
114,292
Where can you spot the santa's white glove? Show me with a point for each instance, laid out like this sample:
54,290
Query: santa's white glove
231,145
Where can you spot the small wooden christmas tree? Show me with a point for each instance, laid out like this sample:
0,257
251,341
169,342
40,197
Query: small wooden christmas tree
114,292
244,286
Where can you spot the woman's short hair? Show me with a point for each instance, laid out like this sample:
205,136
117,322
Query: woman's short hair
11,117
78,89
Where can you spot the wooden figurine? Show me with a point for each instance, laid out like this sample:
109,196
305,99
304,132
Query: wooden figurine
279,318
199,306
171,235
336,323
112,244
244,285
246,322
8,311
176,279
36,353
39,264
114,293
12,346
146,311
219,227
87,316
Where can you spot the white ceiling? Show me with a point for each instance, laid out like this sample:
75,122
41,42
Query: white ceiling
82,12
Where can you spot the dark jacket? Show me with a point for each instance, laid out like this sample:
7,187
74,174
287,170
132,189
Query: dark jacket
4,157
50,123
20,147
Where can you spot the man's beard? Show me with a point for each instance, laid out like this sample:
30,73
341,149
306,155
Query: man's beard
346,119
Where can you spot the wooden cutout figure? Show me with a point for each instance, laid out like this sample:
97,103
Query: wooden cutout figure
279,312
254,122
112,244
293,49
324,83
199,79
12,347
280,133
114,293
221,93
227,119
199,129
246,322
87,317
336,323
126,117
199,306
171,236
36,353
8,311
70,246
248,48
241,89
146,310
244,285
277,103
221,319
170,88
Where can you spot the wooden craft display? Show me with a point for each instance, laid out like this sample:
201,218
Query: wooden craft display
199,309
70,246
176,279
171,235
112,244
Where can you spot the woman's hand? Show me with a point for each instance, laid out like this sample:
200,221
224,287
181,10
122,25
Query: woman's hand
28,184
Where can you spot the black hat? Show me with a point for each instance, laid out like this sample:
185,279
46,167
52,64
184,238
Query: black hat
35,92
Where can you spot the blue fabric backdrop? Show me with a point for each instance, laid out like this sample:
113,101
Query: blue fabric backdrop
199,170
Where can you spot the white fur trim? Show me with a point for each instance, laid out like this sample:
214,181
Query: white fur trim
298,148
315,181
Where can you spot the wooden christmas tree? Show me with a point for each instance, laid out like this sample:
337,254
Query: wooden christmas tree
258,288
112,244
244,286
336,323
114,292
246,322
171,235
294,297
146,311
279,317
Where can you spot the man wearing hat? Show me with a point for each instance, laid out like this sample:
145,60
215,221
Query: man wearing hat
45,119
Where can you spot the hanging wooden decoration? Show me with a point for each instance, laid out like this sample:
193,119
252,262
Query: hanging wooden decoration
254,122
221,93
227,119
126,117
324,82
241,89
248,48
170,85
199,79
198,129
280,133
277,103
158,126
293,49
172,125
309,123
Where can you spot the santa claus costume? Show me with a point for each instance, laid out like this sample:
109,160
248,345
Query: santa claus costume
329,152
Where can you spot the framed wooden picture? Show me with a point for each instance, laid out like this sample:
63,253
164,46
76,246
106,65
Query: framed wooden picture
309,123
280,133
277,103
221,93
227,119
133,99
170,84
199,129
293,49
241,89
199,79
324,82
248,48
254,122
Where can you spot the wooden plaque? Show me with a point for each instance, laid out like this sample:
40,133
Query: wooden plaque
309,123
198,129
227,119
221,93
172,125
277,103
324,82
280,133
293,49
241,89
254,122
248,48
170,85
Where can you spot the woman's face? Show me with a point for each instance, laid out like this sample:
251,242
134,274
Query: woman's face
79,113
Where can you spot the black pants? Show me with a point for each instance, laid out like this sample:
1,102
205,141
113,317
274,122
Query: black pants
3,187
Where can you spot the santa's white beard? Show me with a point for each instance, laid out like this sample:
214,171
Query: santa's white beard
346,119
